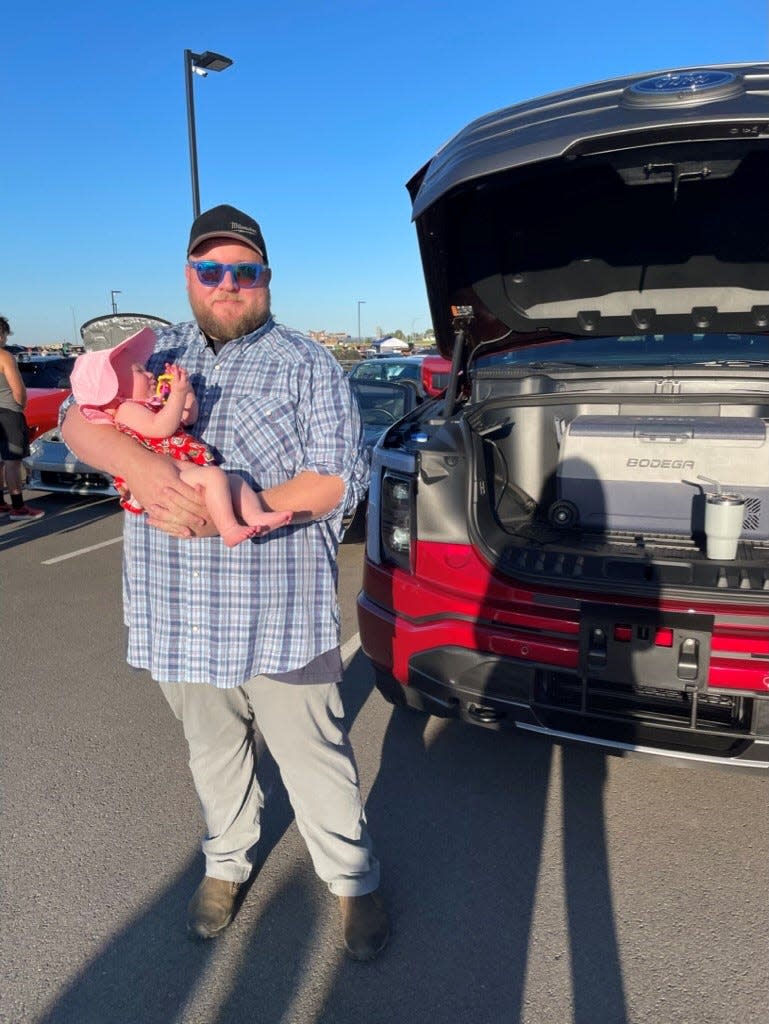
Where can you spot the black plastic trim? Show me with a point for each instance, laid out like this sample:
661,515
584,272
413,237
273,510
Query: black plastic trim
498,692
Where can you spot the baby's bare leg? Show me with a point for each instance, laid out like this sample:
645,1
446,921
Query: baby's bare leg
229,496
249,506
218,501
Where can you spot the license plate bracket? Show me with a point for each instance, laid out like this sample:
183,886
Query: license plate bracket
645,647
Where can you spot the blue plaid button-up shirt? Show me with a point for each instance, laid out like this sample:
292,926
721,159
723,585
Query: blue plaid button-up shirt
272,404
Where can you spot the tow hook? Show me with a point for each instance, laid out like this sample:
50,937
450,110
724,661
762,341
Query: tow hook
485,715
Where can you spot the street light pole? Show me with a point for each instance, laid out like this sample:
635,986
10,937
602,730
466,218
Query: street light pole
201,64
361,302
411,332
113,294
191,133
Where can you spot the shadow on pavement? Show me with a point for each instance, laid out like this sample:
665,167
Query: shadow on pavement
459,824
458,817
148,971
63,514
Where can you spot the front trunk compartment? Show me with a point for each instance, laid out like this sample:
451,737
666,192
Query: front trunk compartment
649,538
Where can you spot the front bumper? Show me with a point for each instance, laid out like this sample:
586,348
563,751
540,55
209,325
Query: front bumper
723,728
51,466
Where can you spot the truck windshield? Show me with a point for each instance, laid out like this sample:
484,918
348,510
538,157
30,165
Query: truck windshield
636,350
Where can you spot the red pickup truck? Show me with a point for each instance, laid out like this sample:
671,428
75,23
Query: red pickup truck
546,546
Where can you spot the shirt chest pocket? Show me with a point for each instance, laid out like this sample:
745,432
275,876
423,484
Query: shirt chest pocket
266,444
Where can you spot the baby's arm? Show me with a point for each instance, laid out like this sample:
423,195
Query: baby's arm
146,422
190,411
181,405
167,419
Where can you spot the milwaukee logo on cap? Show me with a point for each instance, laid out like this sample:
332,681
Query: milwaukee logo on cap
227,222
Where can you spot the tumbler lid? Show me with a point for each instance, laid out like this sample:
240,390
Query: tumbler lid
726,499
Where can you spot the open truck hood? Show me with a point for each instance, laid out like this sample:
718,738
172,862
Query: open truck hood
636,205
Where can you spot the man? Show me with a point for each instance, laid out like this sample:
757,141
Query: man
250,634
14,435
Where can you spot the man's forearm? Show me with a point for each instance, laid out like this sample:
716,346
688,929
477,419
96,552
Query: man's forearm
309,496
100,445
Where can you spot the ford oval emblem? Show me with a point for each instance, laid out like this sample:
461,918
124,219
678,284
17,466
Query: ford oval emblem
683,88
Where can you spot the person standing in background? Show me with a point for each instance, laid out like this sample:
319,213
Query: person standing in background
14,436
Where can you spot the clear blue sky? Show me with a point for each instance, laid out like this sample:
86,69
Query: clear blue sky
327,111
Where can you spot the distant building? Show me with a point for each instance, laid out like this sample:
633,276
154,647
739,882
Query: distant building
391,345
329,339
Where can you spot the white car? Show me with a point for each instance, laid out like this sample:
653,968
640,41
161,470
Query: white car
51,466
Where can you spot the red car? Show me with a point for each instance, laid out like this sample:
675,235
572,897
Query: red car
574,540
435,374
47,381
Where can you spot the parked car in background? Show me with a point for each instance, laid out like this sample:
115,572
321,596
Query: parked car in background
51,466
541,542
425,372
381,404
46,379
396,369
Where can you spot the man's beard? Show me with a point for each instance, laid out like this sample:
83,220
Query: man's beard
251,320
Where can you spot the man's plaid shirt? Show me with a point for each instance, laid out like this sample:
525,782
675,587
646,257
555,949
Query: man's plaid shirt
272,404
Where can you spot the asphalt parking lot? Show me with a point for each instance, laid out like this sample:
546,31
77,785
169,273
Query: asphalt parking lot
528,882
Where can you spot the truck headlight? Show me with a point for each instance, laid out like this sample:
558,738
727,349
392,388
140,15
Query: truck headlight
397,519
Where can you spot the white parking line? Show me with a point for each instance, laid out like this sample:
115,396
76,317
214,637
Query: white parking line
350,648
81,551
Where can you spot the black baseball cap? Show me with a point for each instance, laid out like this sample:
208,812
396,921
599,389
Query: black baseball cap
227,222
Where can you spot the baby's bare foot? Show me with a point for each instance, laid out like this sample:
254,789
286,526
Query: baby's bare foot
263,522
237,534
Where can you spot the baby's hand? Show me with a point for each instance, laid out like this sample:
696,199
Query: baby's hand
180,379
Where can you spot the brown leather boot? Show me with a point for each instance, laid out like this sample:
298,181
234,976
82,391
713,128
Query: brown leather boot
211,908
365,925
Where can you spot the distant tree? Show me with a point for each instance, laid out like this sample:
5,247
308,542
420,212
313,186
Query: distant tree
346,353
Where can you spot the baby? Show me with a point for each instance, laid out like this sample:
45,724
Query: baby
112,386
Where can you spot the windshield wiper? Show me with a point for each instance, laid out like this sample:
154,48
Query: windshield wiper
731,362
549,364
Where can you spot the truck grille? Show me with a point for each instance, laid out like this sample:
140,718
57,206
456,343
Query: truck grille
560,697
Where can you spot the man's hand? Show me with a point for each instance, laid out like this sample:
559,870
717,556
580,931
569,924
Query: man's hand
170,504
181,512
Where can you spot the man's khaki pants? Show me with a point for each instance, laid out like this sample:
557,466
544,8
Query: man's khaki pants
303,728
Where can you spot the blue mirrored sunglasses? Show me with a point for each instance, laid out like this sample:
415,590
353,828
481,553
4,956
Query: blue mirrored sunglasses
245,275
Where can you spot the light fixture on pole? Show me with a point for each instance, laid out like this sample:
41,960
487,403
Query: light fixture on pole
112,295
361,302
201,64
